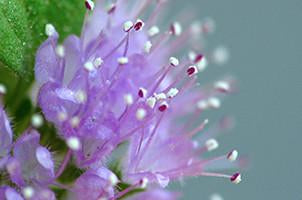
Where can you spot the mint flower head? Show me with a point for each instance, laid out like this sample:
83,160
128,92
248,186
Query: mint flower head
123,87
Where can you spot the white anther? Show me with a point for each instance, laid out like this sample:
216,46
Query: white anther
139,24
160,96
2,89
74,143
147,47
141,114
128,98
202,105
174,61
36,120
216,197
176,28
128,25
60,51
81,96
89,66
142,92
49,30
232,156
154,30
144,183
98,62
151,101
202,64
113,179
192,56
222,86
62,116
28,192
236,178
89,4
221,55
211,144
122,60
172,92
75,121
214,102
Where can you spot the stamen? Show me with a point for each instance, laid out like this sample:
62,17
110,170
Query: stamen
208,25
160,96
122,60
89,4
143,183
113,179
214,102
147,47
128,98
62,116
202,64
142,92
81,96
154,30
37,120
141,114
199,128
111,8
211,144
28,192
60,51
176,29
202,105
174,61
163,106
49,30
192,70
74,121
236,178
73,143
98,62
139,24
128,25
232,156
222,86
221,55
151,101
89,66
172,92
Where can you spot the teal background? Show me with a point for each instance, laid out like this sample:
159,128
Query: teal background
264,37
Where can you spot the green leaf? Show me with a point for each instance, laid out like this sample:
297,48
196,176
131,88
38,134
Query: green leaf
22,25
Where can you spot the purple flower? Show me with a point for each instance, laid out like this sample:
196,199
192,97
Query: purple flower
120,82
157,194
6,137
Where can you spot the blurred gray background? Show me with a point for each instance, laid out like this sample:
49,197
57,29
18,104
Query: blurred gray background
264,37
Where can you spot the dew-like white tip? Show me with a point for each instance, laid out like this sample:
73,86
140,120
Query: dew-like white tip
214,102
160,96
74,143
222,86
216,197
49,30
221,55
176,29
211,144
98,62
128,25
60,51
75,121
236,178
143,183
151,101
128,98
28,192
232,155
141,114
154,30
89,66
202,105
81,96
202,64
122,60
89,4
174,61
2,89
37,121
113,179
62,116
147,47
172,92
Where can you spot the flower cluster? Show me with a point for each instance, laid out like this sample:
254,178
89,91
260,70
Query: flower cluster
119,86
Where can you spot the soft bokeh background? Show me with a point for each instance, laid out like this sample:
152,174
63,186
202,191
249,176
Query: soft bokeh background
264,37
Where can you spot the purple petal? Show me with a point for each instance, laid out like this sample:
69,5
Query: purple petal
6,134
9,193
